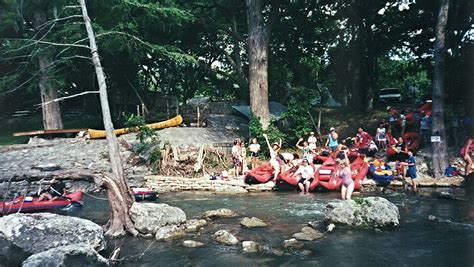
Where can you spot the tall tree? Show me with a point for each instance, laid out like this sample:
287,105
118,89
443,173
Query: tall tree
51,111
259,33
117,187
440,161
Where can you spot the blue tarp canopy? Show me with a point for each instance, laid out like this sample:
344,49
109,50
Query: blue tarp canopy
276,110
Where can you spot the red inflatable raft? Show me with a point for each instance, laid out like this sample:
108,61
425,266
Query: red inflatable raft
259,175
359,170
326,176
29,204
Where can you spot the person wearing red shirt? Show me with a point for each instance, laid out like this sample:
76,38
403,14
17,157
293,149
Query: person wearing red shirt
363,141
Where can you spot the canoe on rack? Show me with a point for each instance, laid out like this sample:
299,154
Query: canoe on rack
95,134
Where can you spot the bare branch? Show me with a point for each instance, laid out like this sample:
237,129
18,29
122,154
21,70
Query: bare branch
67,97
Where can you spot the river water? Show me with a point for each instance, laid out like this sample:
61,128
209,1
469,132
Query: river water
446,241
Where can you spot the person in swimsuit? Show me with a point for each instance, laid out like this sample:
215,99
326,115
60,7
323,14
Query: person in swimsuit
275,161
467,152
254,148
306,173
346,176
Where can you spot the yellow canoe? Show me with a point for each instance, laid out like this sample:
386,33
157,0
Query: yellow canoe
94,134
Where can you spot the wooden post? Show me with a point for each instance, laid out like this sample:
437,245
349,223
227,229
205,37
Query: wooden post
167,107
143,110
138,110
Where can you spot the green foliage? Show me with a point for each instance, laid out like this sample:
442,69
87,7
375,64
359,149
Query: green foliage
149,142
274,134
297,119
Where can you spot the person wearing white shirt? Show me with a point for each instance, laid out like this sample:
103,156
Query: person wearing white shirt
312,141
306,173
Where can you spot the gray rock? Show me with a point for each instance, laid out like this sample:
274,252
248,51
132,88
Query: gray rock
252,222
308,234
224,237
292,243
71,255
193,244
34,233
371,212
168,233
149,217
250,246
219,213
228,189
47,167
193,225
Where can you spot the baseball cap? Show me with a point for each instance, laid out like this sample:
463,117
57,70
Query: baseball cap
332,129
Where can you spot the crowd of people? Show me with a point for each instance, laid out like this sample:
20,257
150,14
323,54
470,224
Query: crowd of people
387,140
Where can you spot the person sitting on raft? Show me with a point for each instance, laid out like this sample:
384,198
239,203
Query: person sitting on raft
275,161
312,141
466,152
331,142
254,148
346,176
306,173
363,141
56,190
306,149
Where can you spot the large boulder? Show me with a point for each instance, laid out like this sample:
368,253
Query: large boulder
371,212
149,217
80,254
219,213
224,237
33,233
252,222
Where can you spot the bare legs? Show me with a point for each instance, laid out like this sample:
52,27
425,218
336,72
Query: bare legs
468,161
346,192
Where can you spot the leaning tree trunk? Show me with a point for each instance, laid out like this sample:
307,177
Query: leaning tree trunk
116,183
440,156
51,111
258,62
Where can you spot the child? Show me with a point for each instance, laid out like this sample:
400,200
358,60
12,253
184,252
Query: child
412,168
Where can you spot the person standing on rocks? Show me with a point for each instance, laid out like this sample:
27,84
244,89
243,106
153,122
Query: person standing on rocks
237,157
254,148
331,142
412,168
381,137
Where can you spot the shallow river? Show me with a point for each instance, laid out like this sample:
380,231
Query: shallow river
446,241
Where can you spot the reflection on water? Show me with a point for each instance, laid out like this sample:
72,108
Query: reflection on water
448,240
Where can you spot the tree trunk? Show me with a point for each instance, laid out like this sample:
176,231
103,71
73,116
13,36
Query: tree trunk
117,188
51,112
440,156
258,62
